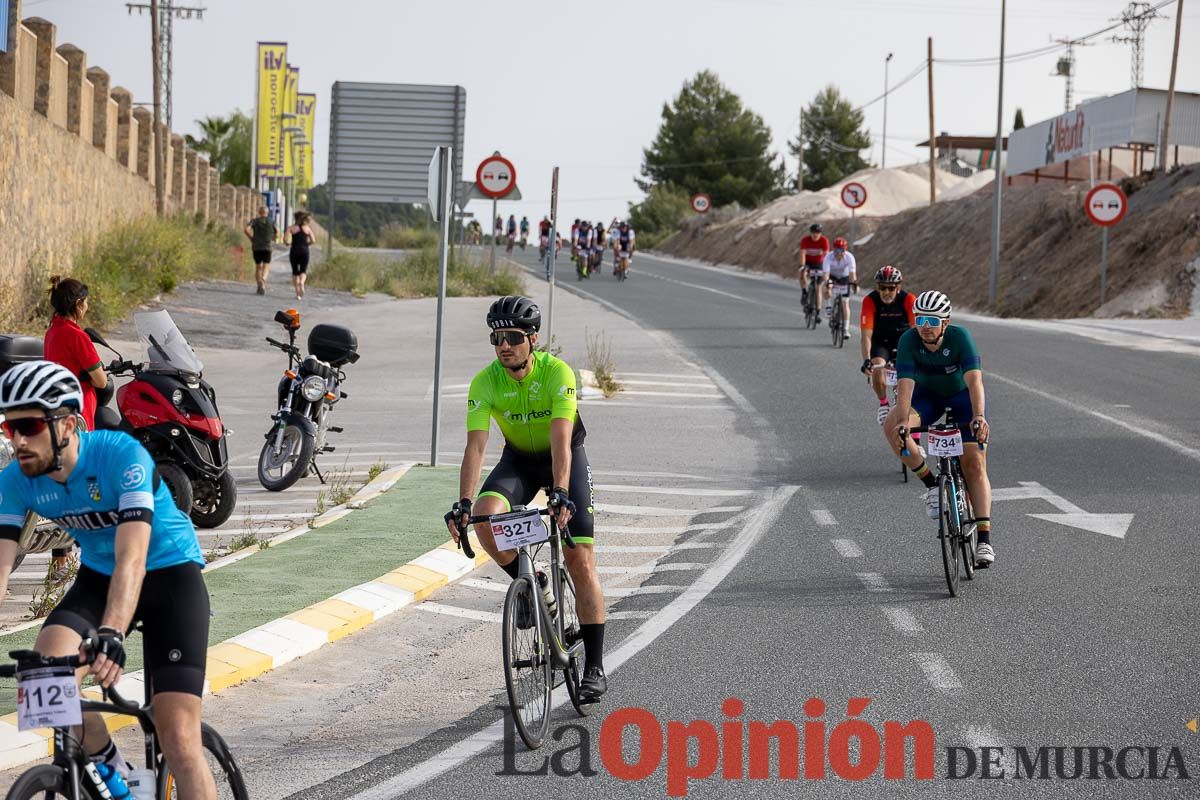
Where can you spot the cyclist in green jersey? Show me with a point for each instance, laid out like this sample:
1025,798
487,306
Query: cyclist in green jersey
938,367
531,396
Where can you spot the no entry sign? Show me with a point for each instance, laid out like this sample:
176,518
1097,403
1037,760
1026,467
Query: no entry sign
1106,204
701,203
854,195
496,177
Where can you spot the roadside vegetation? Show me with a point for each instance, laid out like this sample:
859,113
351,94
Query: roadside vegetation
130,264
394,236
601,362
416,275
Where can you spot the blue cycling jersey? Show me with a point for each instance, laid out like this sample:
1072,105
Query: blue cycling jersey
113,481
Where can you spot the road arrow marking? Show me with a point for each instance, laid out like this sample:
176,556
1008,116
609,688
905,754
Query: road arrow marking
1115,525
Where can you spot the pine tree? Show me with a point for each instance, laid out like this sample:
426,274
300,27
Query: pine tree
834,137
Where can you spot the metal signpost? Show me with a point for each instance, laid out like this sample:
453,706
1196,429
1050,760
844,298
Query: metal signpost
854,197
495,177
552,255
701,203
438,196
1105,205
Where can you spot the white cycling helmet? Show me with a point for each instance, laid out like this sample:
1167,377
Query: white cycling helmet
933,304
39,384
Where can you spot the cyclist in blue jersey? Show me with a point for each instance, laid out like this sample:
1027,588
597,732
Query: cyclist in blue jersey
140,558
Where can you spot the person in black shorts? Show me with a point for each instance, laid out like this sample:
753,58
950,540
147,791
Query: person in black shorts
300,237
261,232
887,313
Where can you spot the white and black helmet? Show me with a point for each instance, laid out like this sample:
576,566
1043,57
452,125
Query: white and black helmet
933,304
39,384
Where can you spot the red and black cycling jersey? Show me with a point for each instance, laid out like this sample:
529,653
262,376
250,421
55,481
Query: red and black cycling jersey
888,320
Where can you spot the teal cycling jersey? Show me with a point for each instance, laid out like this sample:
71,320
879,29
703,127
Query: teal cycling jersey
113,481
940,370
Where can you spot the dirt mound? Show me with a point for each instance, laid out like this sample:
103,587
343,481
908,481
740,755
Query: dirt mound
1049,257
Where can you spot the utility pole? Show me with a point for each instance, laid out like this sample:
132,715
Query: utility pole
1136,18
165,12
883,152
800,154
993,279
1166,128
160,178
932,144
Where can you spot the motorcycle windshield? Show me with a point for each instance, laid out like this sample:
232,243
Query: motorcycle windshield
166,348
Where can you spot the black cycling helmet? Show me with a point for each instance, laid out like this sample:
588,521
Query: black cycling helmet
514,311
815,228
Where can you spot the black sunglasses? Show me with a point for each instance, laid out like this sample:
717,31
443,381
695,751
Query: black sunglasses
26,426
514,338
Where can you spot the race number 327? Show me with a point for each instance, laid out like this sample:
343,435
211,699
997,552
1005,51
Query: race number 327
518,528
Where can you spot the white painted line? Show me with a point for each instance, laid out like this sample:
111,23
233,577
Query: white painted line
675,384
1166,441
822,516
847,548
658,511
938,671
693,376
490,586
630,614
462,613
608,404
636,474
874,582
670,530
642,569
903,620
680,490
643,393
630,591
379,605
268,516
760,521
445,562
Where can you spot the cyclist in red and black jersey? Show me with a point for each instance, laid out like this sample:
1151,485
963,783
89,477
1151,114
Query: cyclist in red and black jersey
813,249
887,313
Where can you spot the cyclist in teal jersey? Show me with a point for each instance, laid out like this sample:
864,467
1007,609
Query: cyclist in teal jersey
140,559
531,396
938,367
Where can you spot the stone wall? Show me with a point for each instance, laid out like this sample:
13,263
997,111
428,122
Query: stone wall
77,157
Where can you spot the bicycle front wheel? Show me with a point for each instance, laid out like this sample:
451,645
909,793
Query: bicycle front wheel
225,772
969,532
43,781
528,671
948,532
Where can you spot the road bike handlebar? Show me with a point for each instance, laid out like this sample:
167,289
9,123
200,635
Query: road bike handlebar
465,543
904,432
31,659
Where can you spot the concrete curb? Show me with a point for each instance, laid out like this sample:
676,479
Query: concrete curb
273,644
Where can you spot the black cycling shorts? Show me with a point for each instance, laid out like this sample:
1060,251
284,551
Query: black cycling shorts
885,349
299,262
262,256
173,610
516,478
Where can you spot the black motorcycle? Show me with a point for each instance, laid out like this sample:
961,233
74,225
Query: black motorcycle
308,391
172,411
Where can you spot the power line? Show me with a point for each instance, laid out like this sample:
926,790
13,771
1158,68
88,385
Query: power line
1136,18
167,14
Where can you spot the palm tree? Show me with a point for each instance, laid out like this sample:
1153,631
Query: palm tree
227,142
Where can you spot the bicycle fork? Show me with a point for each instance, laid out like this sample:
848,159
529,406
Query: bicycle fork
550,626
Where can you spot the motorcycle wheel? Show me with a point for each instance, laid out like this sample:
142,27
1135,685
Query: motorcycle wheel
179,484
277,473
213,501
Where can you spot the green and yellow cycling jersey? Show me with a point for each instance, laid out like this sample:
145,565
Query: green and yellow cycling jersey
524,409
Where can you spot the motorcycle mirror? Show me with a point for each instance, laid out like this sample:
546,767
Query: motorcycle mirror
95,336
282,318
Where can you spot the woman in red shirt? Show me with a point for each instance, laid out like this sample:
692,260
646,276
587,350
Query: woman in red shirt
67,344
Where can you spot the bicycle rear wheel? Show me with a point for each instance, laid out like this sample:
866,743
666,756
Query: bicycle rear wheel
528,672
230,785
948,533
969,533
571,633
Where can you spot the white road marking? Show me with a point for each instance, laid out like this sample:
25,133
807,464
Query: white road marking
874,582
760,521
847,548
455,611
675,384
903,620
822,516
977,736
645,614
626,549
267,516
938,671
671,530
1166,441
630,591
642,393
679,490
699,376
642,569
656,511
490,586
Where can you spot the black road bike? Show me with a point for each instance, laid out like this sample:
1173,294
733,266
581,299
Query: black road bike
71,773
538,637
837,317
810,300
956,519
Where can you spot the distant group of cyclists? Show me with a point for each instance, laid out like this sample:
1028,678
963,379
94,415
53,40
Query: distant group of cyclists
588,242
936,367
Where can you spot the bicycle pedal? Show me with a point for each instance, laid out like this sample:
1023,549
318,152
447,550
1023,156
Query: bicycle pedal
336,429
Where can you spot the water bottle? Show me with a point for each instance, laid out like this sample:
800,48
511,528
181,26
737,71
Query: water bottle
547,593
113,780
141,784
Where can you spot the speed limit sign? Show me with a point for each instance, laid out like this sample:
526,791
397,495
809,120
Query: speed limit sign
701,203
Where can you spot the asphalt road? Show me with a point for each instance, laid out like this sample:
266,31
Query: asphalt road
1075,638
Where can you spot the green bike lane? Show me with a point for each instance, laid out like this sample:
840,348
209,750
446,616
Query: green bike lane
389,532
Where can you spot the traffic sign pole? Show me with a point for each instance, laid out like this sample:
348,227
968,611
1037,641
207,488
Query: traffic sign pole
552,256
443,199
853,225
1103,263
492,261
1105,205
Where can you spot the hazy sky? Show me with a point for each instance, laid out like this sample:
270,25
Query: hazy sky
581,85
